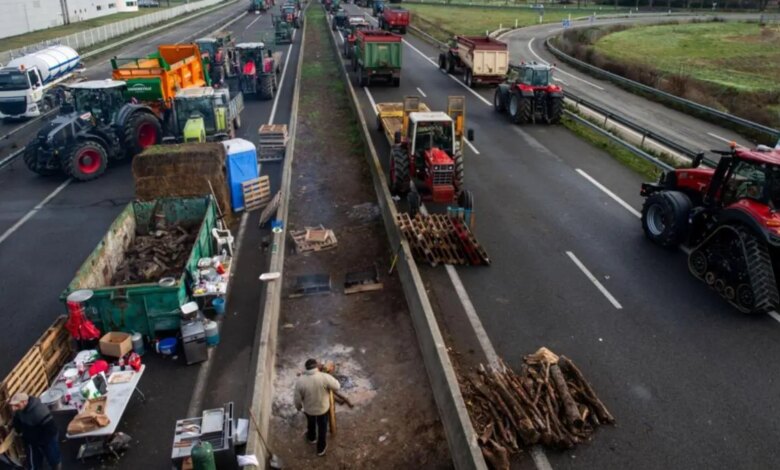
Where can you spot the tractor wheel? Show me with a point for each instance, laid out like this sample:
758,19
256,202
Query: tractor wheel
33,163
141,130
86,161
515,108
237,121
466,200
332,25
266,90
526,110
468,78
665,217
354,63
442,62
498,101
397,82
399,171
361,79
413,199
379,126
554,110
450,65
458,176
403,30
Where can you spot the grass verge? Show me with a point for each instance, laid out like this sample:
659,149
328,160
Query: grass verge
34,37
443,21
637,164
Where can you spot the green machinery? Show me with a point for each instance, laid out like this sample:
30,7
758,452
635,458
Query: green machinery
206,114
282,30
150,307
219,56
257,6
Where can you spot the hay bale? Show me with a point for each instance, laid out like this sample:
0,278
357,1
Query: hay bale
182,170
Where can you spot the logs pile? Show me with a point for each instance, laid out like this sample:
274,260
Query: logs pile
152,257
548,402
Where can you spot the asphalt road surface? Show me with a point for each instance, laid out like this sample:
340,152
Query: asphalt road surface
678,367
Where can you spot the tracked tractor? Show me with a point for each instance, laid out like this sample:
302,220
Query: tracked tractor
528,95
219,57
727,219
426,159
259,70
205,115
99,126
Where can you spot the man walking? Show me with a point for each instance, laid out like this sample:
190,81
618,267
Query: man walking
34,422
312,394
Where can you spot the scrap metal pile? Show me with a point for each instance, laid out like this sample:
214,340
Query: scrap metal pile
548,402
441,239
150,258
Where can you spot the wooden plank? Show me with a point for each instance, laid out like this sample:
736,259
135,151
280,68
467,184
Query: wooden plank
363,288
257,193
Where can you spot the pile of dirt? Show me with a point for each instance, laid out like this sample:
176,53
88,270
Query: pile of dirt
182,170
149,258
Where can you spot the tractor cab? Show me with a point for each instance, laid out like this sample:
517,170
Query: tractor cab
531,75
378,7
340,20
97,100
250,57
282,30
354,24
202,114
528,94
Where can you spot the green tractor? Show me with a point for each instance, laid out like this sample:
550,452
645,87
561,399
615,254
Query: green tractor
282,30
205,115
98,126
257,6
340,20
291,14
219,56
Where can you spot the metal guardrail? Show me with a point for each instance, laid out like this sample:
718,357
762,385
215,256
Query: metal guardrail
774,134
92,36
646,133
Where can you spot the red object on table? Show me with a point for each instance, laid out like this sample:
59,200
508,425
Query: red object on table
134,361
98,367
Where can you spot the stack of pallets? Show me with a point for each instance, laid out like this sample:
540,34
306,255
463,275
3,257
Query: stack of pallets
273,142
440,239
314,239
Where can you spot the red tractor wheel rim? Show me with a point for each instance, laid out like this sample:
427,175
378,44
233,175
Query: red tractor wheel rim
89,161
147,135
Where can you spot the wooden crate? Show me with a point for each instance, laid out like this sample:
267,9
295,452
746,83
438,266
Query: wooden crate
257,193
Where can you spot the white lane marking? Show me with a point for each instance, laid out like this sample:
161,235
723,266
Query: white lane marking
371,100
559,80
775,315
433,62
595,281
537,453
253,22
723,139
197,34
471,146
281,82
609,193
33,211
471,313
557,70
422,92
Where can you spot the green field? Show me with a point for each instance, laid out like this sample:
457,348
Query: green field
442,21
15,42
742,56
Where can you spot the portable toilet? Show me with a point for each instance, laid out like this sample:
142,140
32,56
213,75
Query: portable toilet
241,167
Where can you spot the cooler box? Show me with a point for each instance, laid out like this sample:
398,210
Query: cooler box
241,166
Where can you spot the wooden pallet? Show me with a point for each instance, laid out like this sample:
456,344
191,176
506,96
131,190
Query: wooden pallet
305,242
441,239
257,193
272,142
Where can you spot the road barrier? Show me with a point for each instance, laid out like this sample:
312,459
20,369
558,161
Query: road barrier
688,105
93,36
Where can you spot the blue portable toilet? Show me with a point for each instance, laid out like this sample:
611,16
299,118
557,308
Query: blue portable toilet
241,166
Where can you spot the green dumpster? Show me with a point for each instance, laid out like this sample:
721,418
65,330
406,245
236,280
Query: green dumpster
149,307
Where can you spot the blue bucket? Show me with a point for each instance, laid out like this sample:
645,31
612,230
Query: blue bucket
219,305
168,346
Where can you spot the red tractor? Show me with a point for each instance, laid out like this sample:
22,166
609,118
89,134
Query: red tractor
258,70
728,219
528,94
427,151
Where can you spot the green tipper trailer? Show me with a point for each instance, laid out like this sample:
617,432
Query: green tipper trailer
377,55
151,307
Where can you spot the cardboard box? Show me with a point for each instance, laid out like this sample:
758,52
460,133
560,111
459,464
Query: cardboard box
115,344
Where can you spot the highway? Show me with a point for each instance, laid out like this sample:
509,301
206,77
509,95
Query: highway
572,271
527,44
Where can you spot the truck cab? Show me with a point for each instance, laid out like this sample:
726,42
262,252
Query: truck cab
20,92
203,114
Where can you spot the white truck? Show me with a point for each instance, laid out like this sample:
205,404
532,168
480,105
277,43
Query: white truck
28,84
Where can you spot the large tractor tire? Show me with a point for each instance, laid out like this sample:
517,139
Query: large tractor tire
360,77
459,173
442,62
466,200
141,130
266,89
498,101
415,202
400,180
397,82
554,110
468,78
665,218
516,106
86,160
33,163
